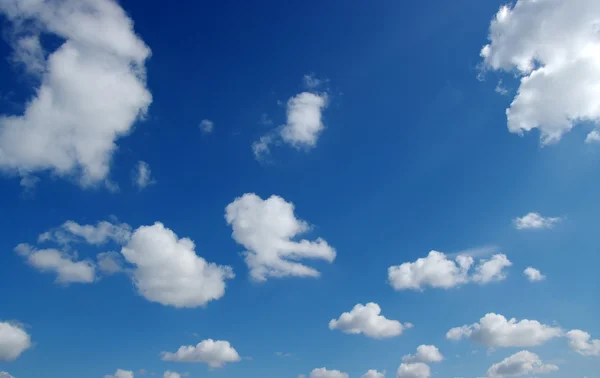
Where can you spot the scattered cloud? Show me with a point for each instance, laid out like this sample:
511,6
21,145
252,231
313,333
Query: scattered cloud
281,354
213,353
496,331
168,271
142,175
311,81
266,229
171,374
207,126
554,58
581,342
413,370
120,373
366,319
324,373
71,125
425,353
521,363
373,374
501,89
110,262
29,182
66,268
261,147
415,366
533,275
593,137
102,232
534,221
438,271
14,340
4,374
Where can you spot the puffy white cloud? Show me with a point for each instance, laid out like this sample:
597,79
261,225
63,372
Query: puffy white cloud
521,363
533,275
581,342
534,221
266,229
373,374
110,262
413,370
304,119
211,352
425,353
121,374
593,137
51,260
553,46
324,373
366,319
171,374
142,175
13,341
101,233
168,271
495,330
207,126
92,88
438,271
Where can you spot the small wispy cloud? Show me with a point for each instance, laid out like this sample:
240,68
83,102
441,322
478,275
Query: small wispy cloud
535,221
207,126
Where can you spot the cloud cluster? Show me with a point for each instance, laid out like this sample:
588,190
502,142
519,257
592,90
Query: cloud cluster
366,319
213,353
438,271
553,47
92,88
101,233
324,373
415,365
521,363
496,331
535,221
266,228
582,343
14,340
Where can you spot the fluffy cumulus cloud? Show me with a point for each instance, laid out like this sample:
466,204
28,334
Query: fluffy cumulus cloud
324,373
438,271
101,233
266,228
92,89
533,275
168,271
582,343
14,340
66,268
413,370
142,175
495,331
425,353
373,374
519,364
120,373
535,221
553,45
367,319
213,353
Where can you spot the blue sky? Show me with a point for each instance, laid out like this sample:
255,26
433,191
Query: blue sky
386,127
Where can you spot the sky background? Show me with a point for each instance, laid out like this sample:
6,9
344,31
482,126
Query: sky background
415,156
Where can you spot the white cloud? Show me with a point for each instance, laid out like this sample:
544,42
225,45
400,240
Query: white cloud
211,352
29,182
324,373
266,229
311,81
425,353
437,271
495,330
4,374
521,363
366,319
142,175
373,374
207,126
281,354
413,370
304,123
51,260
92,88
168,271
13,341
593,137
533,275
261,147
121,374
110,262
581,342
101,233
553,46
534,221
171,374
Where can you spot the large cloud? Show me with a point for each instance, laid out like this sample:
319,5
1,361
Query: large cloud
266,229
495,330
582,343
211,352
92,88
554,46
438,271
413,370
168,271
366,319
324,373
521,363
13,341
